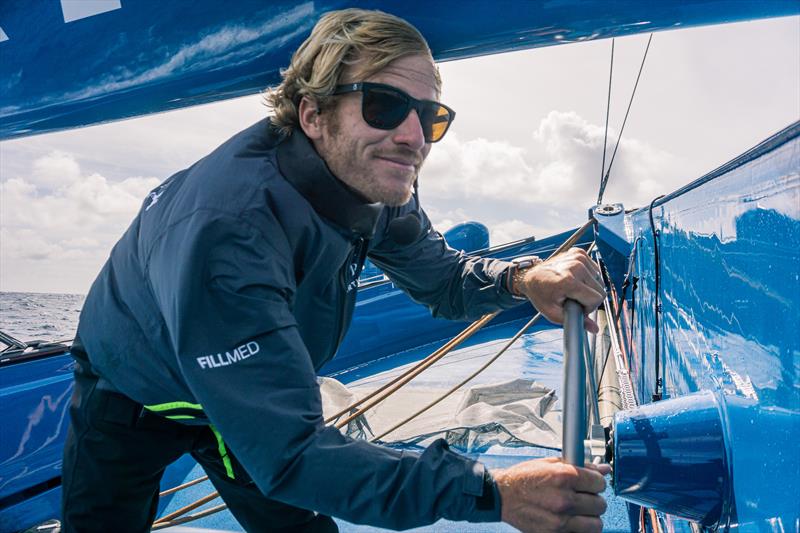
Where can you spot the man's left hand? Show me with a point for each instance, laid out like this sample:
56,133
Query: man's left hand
571,274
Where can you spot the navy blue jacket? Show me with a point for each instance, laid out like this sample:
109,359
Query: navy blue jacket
235,283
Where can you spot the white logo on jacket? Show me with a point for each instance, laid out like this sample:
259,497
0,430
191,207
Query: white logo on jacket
156,193
228,358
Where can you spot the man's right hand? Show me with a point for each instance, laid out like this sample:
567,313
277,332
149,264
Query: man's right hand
546,495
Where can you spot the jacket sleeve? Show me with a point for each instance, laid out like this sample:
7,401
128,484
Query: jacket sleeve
230,299
451,283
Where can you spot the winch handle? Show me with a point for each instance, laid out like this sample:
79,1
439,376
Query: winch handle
574,386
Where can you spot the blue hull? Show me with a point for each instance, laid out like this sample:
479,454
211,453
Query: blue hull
709,281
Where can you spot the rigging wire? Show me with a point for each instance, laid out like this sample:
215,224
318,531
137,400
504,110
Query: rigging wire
608,110
604,181
603,368
629,280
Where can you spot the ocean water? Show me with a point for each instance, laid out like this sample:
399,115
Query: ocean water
40,316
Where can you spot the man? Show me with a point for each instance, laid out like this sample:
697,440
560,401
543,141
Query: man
235,283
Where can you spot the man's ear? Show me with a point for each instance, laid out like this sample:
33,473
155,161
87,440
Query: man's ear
310,118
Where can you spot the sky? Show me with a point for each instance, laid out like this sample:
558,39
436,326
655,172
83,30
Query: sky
523,156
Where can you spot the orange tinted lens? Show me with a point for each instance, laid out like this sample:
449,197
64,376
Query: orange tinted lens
439,124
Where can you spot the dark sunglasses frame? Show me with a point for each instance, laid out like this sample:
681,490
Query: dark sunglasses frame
410,103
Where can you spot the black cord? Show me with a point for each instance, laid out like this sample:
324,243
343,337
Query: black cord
626,282
605,361
609,325
657,395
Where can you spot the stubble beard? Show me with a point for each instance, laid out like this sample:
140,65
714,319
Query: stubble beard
360,179
374,191
391,197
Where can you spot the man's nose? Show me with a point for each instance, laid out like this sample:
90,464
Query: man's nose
409,132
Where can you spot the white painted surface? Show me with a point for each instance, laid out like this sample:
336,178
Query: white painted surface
81,9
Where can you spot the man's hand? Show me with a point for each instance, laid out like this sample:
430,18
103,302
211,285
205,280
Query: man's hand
546,495
571,274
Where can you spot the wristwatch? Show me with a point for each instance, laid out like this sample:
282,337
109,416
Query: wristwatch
517,271
489,498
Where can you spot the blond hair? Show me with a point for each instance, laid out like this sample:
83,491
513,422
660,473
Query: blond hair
365,40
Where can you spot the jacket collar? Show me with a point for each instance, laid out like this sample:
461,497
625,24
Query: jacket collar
300,164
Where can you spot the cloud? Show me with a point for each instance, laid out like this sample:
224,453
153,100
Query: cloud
24,243
55,170
444,220
546,186
510,230
61,216
500,230
561,167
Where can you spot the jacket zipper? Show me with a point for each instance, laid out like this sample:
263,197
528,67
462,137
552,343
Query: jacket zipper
347,277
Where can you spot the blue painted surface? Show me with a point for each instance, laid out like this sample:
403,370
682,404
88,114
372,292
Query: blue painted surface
468,236
765,464
671,455
31,511
729,247
721,460
729,282
147,57
35,397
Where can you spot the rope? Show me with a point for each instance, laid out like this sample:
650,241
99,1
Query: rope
194,505
604,181
190,518
181,487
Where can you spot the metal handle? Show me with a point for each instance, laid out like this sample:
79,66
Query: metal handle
574,386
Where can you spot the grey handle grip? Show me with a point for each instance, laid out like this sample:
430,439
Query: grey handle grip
574,386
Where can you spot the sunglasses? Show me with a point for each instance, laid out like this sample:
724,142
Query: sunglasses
385,107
